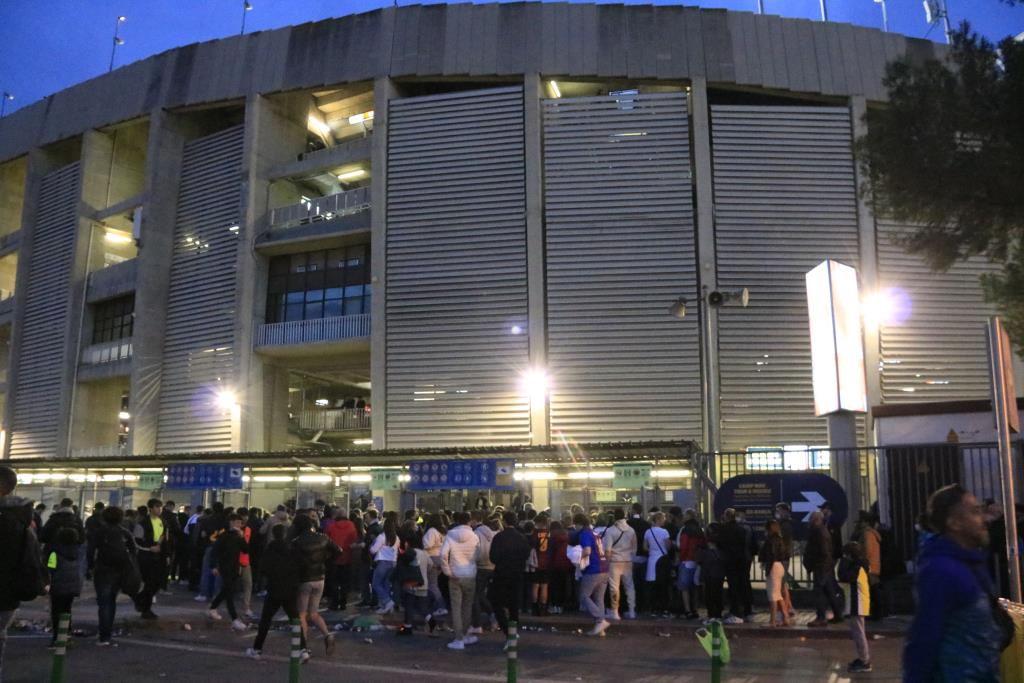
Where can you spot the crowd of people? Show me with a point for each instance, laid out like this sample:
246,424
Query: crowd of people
475,570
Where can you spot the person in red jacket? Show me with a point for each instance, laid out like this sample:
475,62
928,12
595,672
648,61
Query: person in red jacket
343,532
561,570
690,539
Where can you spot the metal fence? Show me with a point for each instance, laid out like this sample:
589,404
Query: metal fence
320,209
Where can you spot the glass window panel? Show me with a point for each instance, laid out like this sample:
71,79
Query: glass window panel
334,278
315,280
315,261
353,291
314,311
367,300
293,312
336,259
296,282
296,297
298,263
277,284
353,306
314,295
332,308
333,293
279,265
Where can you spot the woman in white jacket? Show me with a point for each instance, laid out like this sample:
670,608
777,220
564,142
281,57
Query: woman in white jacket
458,562
433,539
385,552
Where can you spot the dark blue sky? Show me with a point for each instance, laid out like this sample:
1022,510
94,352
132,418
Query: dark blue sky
48,45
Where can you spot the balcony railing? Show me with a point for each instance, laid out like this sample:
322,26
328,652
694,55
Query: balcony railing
312,331
321,209
99,452
339,420
107,352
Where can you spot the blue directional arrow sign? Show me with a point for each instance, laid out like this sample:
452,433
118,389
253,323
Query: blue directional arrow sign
757,494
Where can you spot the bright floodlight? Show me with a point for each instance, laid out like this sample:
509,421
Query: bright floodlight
534,383
225,400
890,306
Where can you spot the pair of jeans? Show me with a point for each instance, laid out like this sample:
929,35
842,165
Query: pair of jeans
6,617
271,604
462,590
245,589
382,572
227,594
621,573
481,603
341,584
827,594
504,594
592,588
209,585
59,604
106,602
860,638
433,583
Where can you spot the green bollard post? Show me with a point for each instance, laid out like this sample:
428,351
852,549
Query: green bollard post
512,651
57,673
295,660
716,651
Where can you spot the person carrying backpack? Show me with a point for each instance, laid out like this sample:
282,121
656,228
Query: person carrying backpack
854,569
115,569
63,561
21,573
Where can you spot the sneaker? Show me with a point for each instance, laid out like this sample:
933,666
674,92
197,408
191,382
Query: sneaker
214,614
456,645
732,619
612,615
858,666
329,645
474,630
440,612
250,615
239,625
470,640
304,656
599,628
201,598
630,614
253,654
387,609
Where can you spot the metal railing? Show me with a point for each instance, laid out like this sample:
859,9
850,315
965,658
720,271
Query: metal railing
315,330
320,209
99,452
336,420
107,352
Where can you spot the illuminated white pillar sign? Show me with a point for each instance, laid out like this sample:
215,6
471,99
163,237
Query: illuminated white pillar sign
837,348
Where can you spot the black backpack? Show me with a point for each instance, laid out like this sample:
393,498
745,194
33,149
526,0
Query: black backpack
28,579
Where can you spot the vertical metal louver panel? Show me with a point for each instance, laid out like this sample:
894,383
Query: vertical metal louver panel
456,270
620,251
44,337
936,348
785,199
199,341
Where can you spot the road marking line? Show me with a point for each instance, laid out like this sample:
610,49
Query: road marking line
434,673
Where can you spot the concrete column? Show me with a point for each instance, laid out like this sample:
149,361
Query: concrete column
869,280
39,164
845,465
97,150
167,136
383,92
540,423
706,265
275,131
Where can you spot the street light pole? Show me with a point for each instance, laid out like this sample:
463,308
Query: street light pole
3,102
246,7
117,41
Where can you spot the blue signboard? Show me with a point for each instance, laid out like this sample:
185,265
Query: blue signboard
205,476
757,494
455,474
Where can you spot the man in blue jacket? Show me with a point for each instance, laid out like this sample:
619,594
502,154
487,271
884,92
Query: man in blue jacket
954,635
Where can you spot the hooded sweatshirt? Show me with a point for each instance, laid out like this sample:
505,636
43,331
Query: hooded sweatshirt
953,636
483,557
63,562
459,551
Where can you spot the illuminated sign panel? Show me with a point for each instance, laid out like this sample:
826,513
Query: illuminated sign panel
837,350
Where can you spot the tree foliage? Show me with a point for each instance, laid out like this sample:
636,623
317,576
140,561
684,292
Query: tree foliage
946,155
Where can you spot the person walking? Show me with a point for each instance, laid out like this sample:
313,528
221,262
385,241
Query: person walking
819,562
509,552
343,532
540,578
384,551
411,576
483,611
688,541
955,635
21,572
620,547
712,565
313,552
114,569
458,562
64,563
152,556
92,525
853,569
279,569
63,516
227,552
594,574
773,557
433,539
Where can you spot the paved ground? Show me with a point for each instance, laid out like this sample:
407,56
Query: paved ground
550,650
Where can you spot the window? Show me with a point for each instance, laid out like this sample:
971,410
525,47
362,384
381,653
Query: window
113,319
319,284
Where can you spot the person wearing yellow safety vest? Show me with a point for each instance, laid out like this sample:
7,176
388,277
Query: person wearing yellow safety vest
63,563
152,558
